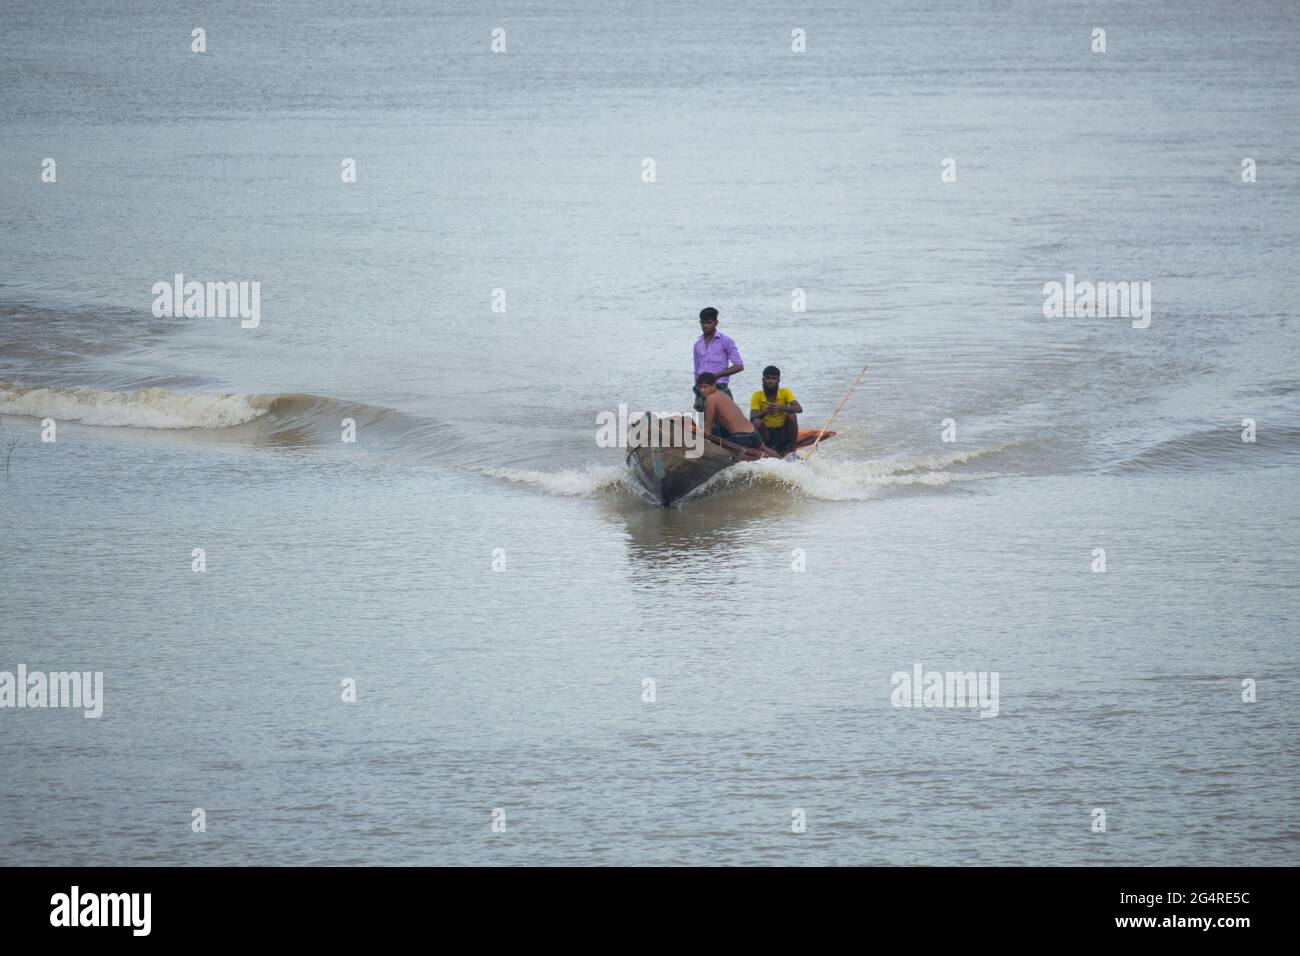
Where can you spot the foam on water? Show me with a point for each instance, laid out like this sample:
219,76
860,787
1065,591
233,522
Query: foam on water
145,408
592,480
308,419
839,480
824,479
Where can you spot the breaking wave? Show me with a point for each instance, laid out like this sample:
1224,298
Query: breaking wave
283,420
837,480
825,479
298,420
592,480
145,408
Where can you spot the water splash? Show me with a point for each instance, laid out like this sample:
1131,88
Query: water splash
590,481
839,480
825,479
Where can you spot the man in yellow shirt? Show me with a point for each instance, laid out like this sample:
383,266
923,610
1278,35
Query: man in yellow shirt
774,413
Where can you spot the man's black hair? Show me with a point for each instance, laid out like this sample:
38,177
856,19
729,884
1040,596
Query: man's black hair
706,378
708,312
771,370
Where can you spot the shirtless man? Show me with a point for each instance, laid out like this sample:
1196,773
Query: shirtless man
723,417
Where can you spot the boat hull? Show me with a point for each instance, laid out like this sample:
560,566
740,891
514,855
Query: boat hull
666,464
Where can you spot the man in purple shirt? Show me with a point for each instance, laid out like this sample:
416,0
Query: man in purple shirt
716,353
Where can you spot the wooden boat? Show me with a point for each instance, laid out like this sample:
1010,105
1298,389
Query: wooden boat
659,460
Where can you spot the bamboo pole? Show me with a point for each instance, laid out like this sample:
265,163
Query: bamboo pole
851,390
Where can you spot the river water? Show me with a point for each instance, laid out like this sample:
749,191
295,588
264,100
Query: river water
526,634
